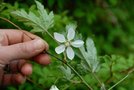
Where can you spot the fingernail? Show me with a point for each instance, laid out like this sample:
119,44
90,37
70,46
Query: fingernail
39,45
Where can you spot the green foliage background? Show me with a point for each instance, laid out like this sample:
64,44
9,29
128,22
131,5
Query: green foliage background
109,22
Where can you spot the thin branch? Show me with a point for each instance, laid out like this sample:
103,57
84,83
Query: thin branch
83,81
7,20
97,78
79,76
121,80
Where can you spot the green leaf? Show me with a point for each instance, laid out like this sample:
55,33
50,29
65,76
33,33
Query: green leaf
41,20
46,18
35,30
90,61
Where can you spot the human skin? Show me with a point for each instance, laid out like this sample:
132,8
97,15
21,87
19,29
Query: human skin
16,48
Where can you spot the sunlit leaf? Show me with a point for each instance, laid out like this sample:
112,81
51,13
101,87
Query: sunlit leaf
90,56
43,21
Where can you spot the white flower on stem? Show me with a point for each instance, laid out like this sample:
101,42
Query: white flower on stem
66,44
53,87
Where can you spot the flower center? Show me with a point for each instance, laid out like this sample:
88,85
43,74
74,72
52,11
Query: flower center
67,43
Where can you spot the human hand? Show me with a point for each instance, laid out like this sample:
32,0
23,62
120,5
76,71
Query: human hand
16,46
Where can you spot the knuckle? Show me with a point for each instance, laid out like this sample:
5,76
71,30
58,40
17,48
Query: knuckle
24,48
3,57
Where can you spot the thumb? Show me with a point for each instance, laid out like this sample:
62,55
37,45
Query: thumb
22,50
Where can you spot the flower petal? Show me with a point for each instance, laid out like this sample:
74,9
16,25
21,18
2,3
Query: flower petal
60,49
53,87
77,43
71,33
59,37
70,53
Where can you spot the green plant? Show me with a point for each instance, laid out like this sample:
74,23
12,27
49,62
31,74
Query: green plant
87,70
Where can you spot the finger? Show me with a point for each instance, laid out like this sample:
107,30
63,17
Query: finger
26,69
14,79
22,50
15,66
11,36
1,75
21,66
43,59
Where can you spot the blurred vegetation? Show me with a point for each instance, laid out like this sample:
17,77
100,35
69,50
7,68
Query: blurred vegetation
109,22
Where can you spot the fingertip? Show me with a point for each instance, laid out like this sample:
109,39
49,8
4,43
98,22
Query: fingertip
43,59
26,69
39,45
13,79
19,79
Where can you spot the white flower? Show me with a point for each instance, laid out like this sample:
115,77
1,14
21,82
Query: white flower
53,87
67,43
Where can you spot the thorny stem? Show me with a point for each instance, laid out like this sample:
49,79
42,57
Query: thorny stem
83,81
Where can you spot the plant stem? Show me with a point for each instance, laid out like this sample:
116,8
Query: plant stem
5,19
51,36
121,79
101,84
83,81
97,78
56,80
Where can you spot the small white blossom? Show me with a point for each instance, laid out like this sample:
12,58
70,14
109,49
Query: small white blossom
67,43
53,87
